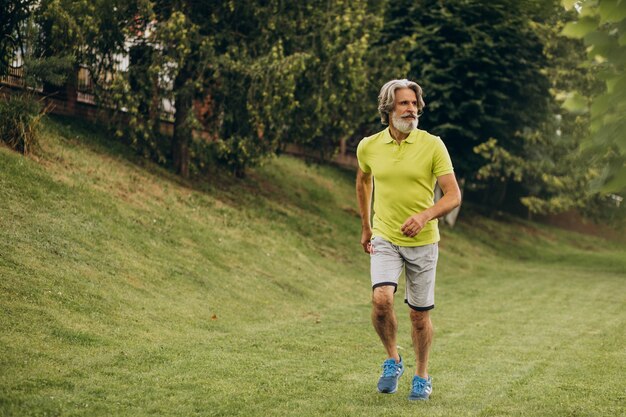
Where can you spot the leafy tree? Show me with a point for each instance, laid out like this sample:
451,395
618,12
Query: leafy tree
257,81
602,25
480,65
21,111
553,173
340,70
273,73
229,56
266,72
14,14
101,35
553,170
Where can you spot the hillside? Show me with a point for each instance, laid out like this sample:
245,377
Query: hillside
126,291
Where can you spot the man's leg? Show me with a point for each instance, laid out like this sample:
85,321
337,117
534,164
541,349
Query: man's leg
386,325
421,268
386,267
384,319
422,335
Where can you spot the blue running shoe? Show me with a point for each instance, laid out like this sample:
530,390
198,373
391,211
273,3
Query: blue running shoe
392,370
421,388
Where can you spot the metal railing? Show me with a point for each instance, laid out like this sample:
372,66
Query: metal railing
85,89
15,78
85,86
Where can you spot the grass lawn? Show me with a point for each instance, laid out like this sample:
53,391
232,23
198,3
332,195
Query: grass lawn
125,291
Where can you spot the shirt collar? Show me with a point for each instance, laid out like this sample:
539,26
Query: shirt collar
409,139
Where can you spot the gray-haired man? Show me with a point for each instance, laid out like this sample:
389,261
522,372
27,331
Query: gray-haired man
406,163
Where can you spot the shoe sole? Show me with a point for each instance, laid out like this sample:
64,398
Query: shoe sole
420,398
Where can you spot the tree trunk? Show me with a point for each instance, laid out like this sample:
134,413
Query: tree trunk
182,129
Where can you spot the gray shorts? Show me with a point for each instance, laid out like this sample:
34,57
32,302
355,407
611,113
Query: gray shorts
420,264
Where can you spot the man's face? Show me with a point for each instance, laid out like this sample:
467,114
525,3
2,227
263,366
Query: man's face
404,115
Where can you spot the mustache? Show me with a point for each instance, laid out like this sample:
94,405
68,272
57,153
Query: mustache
408,114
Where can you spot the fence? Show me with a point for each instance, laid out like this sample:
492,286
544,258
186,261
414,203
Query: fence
15,78
78,98
85,89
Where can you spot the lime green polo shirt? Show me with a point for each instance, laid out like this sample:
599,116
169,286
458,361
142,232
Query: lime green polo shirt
404,181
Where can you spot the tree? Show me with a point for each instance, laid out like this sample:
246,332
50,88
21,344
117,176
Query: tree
332,91
228,55
266,72
552,172
90,33
480,65
15,13
21,111
601,24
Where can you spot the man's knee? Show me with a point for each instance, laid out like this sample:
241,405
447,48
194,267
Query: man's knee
420,319
382,300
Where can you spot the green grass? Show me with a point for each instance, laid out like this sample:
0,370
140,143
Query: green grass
125,291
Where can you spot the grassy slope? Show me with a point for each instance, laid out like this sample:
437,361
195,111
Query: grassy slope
125,291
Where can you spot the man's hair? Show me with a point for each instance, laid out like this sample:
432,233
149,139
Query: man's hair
387,97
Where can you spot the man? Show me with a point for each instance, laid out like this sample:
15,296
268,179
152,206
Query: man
405,163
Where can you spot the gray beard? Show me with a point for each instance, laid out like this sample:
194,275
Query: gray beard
404,125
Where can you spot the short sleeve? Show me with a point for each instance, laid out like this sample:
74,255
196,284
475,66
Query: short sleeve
442,164
361,156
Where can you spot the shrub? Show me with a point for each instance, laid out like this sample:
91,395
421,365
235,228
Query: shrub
20,115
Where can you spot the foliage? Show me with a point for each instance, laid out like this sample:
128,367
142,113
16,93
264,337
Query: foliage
109,31
98,34
545,164
554,172
21,111
143,100
95,33
292,74
606,209
248,77
501,165
20,117
252,124
267,74
480,65
136,120
14,14
253,103
332,92
201,55
602,26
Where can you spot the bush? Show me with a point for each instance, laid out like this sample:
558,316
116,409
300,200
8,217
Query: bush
240,152
20,115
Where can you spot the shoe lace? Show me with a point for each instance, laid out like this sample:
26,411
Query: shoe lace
389,368
418,385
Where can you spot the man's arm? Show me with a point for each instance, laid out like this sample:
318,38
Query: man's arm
451,199
364,197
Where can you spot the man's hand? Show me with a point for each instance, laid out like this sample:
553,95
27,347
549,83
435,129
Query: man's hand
366,236
414,224
451,199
